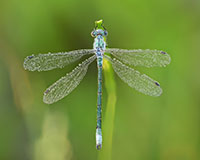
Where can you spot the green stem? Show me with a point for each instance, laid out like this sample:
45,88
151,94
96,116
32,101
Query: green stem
108,120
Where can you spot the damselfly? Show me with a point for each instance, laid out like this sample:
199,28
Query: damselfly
120,59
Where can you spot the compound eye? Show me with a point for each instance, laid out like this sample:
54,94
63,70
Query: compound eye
93,33
105,33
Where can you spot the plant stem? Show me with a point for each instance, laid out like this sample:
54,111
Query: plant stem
108,120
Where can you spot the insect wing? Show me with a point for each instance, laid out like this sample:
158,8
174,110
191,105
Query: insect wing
45,62
135,79
138,57
68,83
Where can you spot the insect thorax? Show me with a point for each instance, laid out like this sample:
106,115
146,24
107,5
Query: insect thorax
99,45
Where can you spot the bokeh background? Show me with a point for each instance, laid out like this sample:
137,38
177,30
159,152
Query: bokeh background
144,128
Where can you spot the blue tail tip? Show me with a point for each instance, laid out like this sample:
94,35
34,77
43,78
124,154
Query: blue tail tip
98,146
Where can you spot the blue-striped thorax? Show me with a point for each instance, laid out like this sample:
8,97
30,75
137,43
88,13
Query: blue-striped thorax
99,44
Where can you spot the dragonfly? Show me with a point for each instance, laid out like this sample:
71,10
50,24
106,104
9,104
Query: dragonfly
122,60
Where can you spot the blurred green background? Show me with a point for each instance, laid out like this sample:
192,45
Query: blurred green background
145,128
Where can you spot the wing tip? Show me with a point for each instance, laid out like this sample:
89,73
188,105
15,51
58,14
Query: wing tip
168,58
45,100
45,97
159,90
156,92
28,65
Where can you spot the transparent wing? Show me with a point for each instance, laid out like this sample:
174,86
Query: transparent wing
68,83
135,79
138,57
45,62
